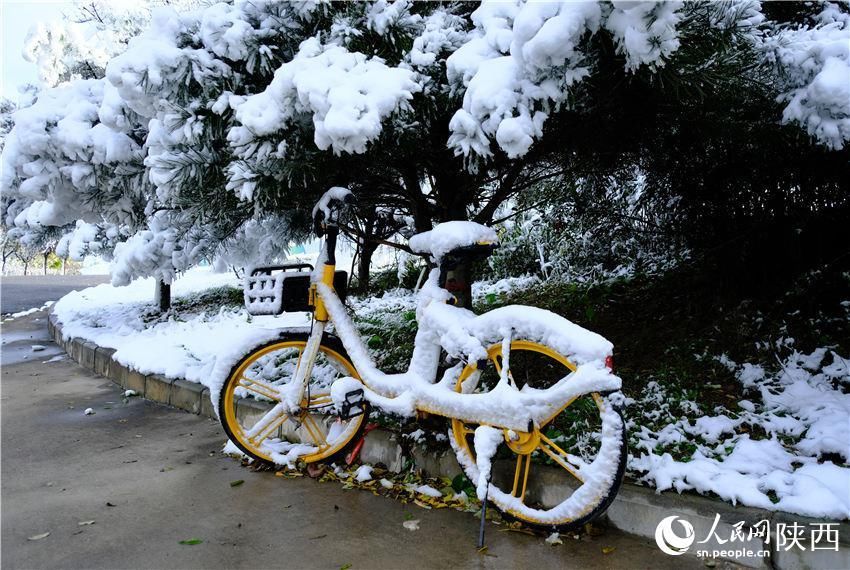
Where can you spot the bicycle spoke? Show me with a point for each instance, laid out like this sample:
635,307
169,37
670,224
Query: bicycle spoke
270,417
298,361
265,433
314,431
264,389
519,472
546,445
321,400
498,365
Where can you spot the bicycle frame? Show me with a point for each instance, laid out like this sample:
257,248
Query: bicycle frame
458,331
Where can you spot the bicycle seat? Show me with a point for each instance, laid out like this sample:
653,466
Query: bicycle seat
455,239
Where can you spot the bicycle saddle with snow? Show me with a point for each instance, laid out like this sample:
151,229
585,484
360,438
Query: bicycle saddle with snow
453,241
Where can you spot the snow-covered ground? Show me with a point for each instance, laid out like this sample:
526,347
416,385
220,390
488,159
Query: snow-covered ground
189,346
786,447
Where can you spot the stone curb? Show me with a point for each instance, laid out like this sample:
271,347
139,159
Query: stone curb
636,510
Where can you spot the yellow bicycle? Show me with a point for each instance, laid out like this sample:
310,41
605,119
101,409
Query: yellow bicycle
530,397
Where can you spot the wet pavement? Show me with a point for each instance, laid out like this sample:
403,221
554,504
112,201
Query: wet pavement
150,476
19,293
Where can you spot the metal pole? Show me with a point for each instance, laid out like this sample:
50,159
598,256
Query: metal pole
483,515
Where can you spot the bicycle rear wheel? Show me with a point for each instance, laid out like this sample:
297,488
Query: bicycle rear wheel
248,412
567,470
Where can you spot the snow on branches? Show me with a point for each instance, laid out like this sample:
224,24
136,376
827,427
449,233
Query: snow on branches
68,159
348,95
214,112
523,58
814,74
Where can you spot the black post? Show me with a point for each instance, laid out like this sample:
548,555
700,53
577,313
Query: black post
163,295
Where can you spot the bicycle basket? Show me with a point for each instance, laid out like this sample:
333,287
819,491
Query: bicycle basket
277,289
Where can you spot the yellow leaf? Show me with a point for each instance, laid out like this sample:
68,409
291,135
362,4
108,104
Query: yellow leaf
608,549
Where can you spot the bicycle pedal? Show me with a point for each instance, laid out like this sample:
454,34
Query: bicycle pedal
354,404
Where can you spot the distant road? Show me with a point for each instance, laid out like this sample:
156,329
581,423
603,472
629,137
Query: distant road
19,293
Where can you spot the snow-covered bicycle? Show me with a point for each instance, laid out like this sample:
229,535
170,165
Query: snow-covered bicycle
530,397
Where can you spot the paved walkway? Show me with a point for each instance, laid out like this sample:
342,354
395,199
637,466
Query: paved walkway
18,293
150,476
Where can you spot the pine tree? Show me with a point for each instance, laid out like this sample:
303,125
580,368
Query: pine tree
234,118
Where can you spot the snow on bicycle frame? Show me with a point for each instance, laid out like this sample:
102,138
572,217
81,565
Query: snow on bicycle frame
461,334
527,420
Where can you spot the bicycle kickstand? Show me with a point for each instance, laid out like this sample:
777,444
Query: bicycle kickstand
483,515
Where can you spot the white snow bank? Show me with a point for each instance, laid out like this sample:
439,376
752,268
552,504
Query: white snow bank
200,348
800,418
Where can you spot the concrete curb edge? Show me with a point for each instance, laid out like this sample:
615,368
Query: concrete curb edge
636,510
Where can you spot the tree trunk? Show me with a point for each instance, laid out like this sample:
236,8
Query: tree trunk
162,296
64,259
44,257
363,264
26,265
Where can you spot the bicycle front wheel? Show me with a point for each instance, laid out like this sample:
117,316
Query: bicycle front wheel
566,471
248,412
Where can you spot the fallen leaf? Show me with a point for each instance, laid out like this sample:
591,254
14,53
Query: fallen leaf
39,536
85,523
278,474
482,550
237,482
554,539
191,541
411,525
608,549
108,504
318,537
345,567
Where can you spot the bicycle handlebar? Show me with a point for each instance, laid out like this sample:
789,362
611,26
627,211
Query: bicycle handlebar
327,208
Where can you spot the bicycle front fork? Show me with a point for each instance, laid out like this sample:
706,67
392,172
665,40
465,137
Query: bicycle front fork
304,368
